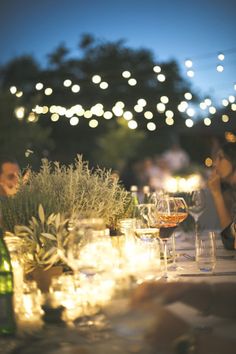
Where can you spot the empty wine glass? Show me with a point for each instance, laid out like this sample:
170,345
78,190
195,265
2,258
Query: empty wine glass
147,243
181,215
196,205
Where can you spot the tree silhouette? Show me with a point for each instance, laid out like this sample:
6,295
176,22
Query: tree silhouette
109,60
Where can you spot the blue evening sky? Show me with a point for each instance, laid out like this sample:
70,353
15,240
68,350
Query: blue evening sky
179,29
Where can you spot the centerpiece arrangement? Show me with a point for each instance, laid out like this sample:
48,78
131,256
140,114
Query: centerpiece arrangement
39,214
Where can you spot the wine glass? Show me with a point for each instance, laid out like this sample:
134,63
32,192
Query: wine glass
196,205
167,219
181,215
69,250
147,242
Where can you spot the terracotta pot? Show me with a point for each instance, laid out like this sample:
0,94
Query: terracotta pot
43,277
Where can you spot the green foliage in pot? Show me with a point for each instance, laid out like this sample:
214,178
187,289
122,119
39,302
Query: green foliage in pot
58,193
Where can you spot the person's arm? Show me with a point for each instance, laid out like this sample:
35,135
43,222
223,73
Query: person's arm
222,210
216,299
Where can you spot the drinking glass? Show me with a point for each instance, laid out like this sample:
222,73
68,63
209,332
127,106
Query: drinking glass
181,215
86,234
206,251
196,205
147,242
167,221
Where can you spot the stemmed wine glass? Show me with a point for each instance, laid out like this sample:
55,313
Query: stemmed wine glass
181,215
146,222
167,222
147,243
196,205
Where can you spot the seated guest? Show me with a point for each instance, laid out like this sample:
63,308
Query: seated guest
222,184
228,236
9,175
172,334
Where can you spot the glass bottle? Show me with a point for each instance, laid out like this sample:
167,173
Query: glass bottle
135,201
7,318
146,194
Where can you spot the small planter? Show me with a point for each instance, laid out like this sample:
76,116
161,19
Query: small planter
43,277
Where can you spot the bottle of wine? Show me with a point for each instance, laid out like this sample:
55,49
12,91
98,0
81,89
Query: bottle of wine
146,194
135,201
7,318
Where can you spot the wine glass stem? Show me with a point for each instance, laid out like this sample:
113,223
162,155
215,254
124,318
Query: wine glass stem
165,275
173,250
196,227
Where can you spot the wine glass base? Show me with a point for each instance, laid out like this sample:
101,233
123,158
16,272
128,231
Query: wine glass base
175,268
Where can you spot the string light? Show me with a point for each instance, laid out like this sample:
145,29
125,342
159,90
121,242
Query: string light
132,82
142,102
225,118
126,74
212,110
107,115
128,115
74,121
96,79
48,91
207,121
190,73
138,108
161,77
67,83
132,124
161,107
55,117
189,123
103,85
20,112
208,162
169,114
188,96
13,90
225,102
157,69
164,99
39,86
169,121
190,112
75,88
151,126
148,115
93,123
117,110
188,63
220,68
221,56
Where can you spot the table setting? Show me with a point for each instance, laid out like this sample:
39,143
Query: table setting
98,260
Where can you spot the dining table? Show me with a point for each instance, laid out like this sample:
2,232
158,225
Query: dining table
118,330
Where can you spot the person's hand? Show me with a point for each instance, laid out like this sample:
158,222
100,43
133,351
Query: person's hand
166,331
214,182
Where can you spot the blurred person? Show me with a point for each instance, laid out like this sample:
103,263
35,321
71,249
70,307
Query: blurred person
149,169
162,172
171,333
176,158
9,176
222,184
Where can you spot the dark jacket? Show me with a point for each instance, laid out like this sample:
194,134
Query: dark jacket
228,236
